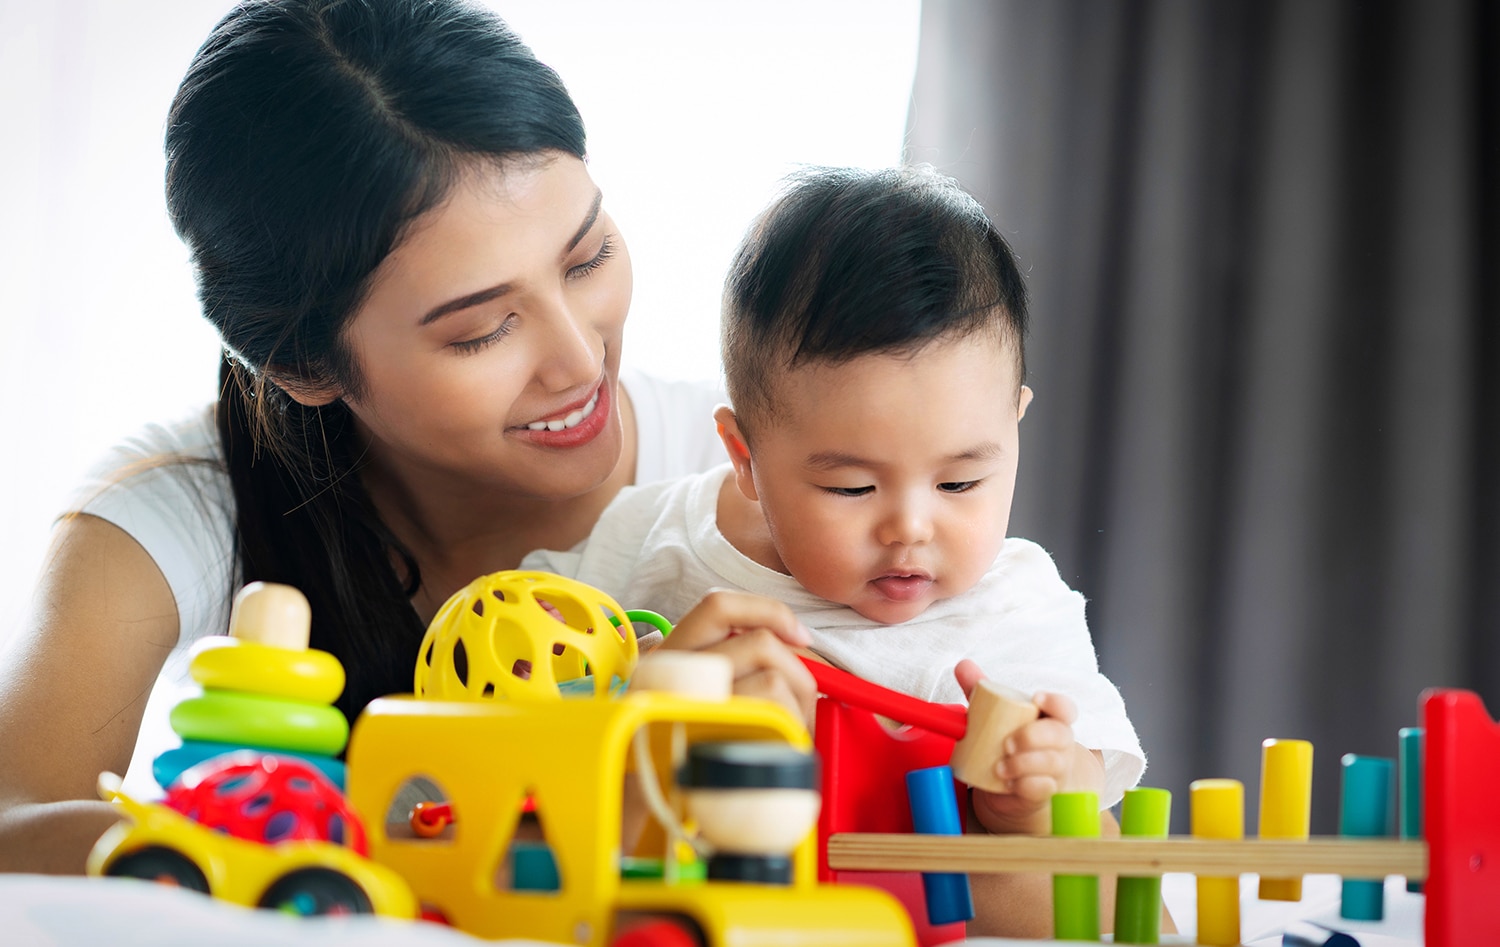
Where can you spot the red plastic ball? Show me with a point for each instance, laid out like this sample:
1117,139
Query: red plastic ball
267,798
656,934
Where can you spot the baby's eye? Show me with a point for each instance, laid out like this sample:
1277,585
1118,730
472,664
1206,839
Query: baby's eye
958,486
849,491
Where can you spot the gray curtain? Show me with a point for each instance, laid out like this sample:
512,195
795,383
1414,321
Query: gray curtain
1263,241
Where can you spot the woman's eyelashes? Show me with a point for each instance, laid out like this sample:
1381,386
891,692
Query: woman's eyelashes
473,345
606,250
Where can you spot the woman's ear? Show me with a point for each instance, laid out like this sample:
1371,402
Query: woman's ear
307,391
739,454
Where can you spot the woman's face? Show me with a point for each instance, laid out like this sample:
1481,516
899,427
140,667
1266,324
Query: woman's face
489,345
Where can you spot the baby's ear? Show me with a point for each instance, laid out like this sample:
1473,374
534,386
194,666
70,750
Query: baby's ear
739,454
1022,401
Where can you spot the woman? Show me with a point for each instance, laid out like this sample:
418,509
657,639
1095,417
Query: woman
421,297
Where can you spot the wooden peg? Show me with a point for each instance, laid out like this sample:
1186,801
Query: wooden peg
271,614
688,673
995,712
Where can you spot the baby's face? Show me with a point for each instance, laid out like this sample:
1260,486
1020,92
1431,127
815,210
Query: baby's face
886,481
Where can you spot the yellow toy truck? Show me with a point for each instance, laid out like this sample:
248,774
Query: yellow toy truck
734,777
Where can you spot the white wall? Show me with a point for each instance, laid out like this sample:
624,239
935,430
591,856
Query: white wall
694,111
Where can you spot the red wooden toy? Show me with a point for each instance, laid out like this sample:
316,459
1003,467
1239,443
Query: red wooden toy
1461,792
864,772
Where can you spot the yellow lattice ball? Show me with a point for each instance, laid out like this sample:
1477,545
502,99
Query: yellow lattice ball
515,635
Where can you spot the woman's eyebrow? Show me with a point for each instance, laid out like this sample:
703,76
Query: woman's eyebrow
494,292
464,302
588,222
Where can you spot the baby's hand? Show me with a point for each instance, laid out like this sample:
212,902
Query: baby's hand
758,635
1036,761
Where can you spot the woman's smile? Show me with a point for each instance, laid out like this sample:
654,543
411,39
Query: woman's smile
578,426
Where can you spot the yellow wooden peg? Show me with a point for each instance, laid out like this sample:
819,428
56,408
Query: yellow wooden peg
1285,805
1218,812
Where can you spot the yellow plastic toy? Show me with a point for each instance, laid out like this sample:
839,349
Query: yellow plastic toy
516,635
231,664
301,877
571,758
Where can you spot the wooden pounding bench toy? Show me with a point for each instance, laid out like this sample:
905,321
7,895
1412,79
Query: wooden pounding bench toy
1451,842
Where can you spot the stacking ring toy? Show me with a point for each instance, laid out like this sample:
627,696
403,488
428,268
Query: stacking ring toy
310,676
228,717
172,763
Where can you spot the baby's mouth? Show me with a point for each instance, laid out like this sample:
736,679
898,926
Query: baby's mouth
903,586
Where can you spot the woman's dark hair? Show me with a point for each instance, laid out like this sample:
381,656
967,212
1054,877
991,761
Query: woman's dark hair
849,262
305,137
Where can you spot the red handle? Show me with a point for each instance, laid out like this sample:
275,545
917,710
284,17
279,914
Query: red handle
857,692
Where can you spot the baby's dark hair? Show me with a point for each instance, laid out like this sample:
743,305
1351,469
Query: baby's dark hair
848,262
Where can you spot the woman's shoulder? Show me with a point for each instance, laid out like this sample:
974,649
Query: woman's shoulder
181,454
188,438
166,486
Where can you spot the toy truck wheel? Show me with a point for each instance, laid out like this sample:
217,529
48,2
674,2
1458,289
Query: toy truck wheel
312,891
161,865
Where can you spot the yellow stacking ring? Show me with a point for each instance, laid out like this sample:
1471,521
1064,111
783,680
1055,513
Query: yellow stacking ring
228,717
310,676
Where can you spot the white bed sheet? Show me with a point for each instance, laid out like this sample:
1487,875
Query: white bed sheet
40,911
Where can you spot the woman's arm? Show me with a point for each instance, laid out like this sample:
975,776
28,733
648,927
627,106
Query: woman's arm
73,688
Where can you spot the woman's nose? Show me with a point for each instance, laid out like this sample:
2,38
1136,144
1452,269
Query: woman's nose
574,353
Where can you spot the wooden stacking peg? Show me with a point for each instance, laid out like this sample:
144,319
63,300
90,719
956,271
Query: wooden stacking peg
699,674
1075,898
995,712
1365,811
1285,805
1218,812
1409,778
934,811
1144,813
271,614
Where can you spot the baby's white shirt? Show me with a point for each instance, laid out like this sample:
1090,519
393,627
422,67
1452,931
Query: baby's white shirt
658,546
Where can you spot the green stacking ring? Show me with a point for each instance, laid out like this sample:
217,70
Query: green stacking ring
228,717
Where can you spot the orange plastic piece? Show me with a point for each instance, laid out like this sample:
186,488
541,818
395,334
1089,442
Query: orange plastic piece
428,819
1460,785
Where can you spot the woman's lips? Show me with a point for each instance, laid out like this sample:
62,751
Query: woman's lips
591,422
903,588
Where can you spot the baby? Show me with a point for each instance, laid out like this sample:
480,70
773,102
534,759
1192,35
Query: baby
873,347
